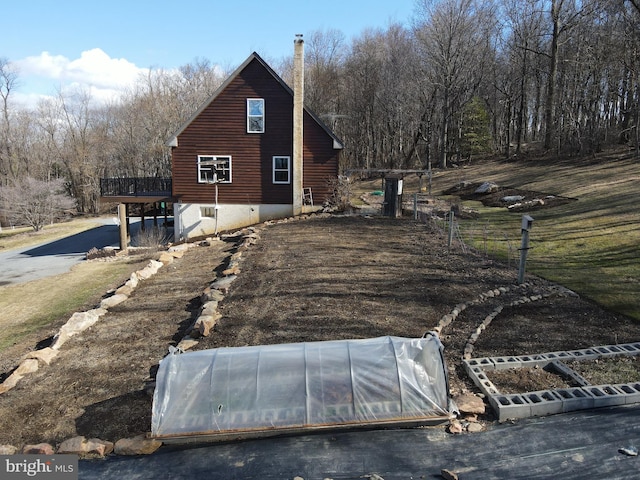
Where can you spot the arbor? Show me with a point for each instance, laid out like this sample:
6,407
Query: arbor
35,202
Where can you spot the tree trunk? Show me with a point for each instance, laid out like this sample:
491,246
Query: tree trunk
444,135
553,76
523,102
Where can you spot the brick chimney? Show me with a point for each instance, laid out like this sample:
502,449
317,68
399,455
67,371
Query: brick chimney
298,114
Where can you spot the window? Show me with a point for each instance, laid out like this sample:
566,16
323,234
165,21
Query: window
209,212
214,169
281,169
255,115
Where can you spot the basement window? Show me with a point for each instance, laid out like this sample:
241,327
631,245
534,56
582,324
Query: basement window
281,169
255,115
214,169
264,390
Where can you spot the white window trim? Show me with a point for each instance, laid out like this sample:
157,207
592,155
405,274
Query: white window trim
273,170
256,116
214,158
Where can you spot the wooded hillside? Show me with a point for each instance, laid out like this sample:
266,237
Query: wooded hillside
458,79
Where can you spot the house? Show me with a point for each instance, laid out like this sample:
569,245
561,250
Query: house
244,157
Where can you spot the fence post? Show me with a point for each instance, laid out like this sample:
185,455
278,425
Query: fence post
451,222
415,206
527,223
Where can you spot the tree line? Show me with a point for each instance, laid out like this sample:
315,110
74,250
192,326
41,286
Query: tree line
460,78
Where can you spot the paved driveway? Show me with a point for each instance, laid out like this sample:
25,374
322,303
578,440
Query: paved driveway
52,258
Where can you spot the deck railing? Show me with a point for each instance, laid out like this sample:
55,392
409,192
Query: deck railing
134,187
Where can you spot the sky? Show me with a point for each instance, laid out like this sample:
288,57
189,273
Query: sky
104,46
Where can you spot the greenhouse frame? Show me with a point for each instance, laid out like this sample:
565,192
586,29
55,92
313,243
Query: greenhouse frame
253,391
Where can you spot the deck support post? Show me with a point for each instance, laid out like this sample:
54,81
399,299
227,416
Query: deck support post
122,217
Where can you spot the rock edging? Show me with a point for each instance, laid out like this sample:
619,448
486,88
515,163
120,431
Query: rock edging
542,293
77,323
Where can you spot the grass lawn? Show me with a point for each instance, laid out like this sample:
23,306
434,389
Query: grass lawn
29,307
591,245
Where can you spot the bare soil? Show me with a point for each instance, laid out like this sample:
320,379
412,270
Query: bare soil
315,279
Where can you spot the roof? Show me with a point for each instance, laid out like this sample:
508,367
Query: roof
173,142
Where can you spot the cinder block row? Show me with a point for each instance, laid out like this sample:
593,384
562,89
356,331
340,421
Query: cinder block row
605,395
575,398
630,391
544,402
584,354
559,356
610,350
630,348
503,363
529,361
484,363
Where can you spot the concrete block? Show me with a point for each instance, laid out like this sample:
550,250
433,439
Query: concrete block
471,371
510,406
567,372
559,356
530,361
544,402
484,363
584,354
503,363
575,398
631,348
630,391
605,395
609,350
481,381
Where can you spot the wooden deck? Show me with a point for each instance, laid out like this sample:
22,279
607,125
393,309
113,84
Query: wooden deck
135,190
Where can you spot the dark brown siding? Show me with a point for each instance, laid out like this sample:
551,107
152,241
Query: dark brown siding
221,129
320,160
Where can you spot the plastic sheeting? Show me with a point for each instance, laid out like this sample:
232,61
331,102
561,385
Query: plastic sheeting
300,386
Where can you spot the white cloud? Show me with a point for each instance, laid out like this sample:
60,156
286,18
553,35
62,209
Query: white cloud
94,70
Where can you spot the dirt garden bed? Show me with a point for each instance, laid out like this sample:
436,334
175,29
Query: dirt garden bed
602,371
316,279
515,199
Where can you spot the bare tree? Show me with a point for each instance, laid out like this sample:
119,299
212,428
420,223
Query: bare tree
454,36
523,44
34,202
324,60
8,81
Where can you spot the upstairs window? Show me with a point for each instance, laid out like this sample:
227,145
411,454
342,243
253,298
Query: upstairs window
255,115
214,169
281,169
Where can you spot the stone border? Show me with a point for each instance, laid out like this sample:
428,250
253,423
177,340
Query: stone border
80,321
77,323
543,292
